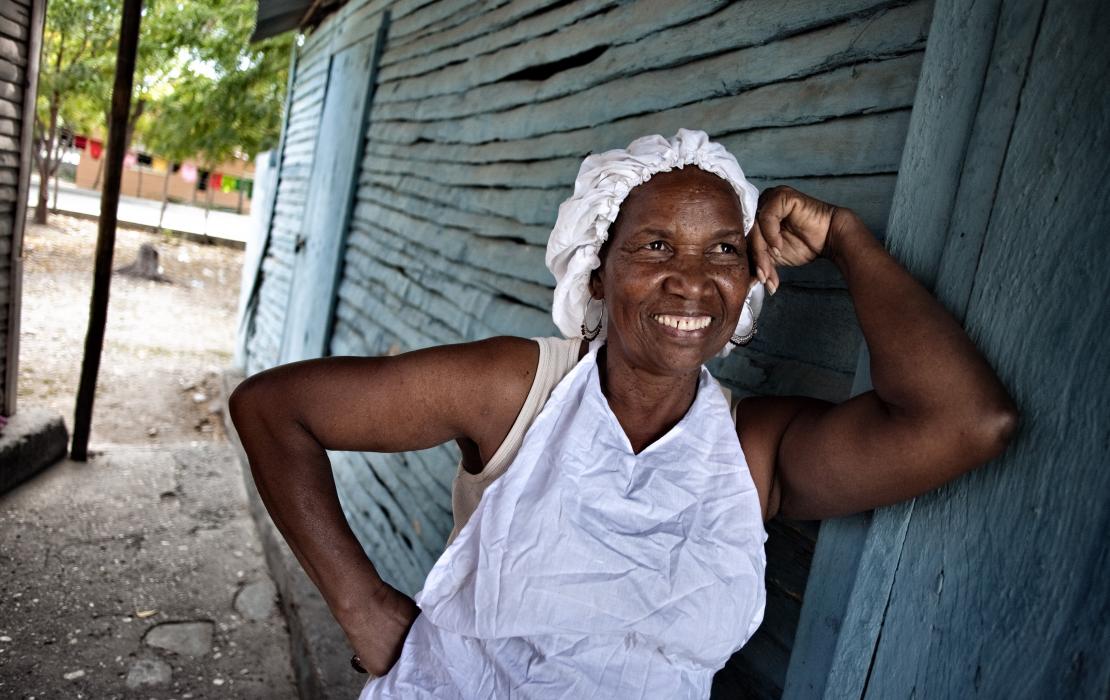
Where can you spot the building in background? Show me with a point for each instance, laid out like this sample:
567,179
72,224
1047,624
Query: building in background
228,186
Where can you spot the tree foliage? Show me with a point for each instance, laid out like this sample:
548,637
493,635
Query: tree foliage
199,87
226,97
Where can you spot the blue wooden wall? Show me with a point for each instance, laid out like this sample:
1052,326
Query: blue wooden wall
997,585
481,116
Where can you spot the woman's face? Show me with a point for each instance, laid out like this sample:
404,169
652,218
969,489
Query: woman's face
674,273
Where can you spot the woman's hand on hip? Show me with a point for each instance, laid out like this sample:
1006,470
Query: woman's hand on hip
378,631
791,229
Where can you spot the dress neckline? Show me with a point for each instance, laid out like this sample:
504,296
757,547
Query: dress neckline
593,382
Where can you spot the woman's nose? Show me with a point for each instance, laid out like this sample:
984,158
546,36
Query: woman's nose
687,275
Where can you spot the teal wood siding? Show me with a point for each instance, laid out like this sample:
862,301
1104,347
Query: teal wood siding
481,116
995,586
306,104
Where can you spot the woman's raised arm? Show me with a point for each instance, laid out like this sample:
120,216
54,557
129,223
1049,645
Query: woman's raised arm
286,418
936,411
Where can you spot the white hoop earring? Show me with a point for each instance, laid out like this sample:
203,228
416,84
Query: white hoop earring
591,333
747,337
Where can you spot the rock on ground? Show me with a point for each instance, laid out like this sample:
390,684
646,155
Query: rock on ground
146,672
257,600
188,638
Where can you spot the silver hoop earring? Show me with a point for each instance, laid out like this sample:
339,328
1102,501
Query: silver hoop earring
747,337
591,333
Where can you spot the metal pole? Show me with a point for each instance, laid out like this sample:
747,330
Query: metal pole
106,231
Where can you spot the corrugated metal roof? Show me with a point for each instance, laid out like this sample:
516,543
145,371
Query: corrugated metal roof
279,16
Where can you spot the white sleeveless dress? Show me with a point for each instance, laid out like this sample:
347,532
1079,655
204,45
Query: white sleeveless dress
590,571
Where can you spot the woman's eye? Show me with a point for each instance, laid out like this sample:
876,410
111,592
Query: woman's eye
656,245
727,248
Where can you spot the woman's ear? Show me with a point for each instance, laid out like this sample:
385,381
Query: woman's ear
596,286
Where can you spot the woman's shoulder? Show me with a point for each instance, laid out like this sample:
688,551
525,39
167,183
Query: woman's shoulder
502,375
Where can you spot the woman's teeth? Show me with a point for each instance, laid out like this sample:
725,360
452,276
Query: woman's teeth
683,323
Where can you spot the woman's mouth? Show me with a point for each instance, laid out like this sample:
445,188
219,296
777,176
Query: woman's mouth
683,323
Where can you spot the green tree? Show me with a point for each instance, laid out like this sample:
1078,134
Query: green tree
227,95
200,87
78,51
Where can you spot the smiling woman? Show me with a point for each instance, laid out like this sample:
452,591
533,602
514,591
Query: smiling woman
609,508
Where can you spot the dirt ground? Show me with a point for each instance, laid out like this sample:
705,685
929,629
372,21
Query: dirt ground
137,574
164,345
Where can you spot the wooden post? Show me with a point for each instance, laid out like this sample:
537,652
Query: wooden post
106,230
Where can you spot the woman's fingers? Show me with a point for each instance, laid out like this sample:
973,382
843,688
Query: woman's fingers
758,252
772,210
762,258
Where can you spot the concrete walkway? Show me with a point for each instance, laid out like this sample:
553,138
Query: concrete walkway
183,218
138,574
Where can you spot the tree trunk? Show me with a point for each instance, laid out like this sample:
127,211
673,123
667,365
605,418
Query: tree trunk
99,172
207,204
44,189
165,198
54,206
46,164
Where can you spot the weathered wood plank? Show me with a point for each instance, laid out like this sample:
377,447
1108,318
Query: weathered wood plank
938,135
318,263
12,29
417,22
1035,521
982,167
404,252
486,225
505,256
10,71
14,52
15,13
864,88
357,22
869,196
470,310
536,41
894,32
470,88
487,23
847,146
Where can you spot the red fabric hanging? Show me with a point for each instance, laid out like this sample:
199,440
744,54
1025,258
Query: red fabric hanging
217,180
79,142
95,148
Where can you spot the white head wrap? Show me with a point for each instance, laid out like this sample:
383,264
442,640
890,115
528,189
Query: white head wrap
604,180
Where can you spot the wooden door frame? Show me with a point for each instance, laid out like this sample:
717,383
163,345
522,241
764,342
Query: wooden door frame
967,94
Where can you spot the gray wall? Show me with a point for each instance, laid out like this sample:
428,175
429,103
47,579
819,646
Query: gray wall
482,114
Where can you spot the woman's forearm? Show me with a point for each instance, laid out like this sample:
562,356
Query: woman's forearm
924,367
294,479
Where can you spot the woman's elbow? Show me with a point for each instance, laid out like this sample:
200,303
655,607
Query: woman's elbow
995,428
247,403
